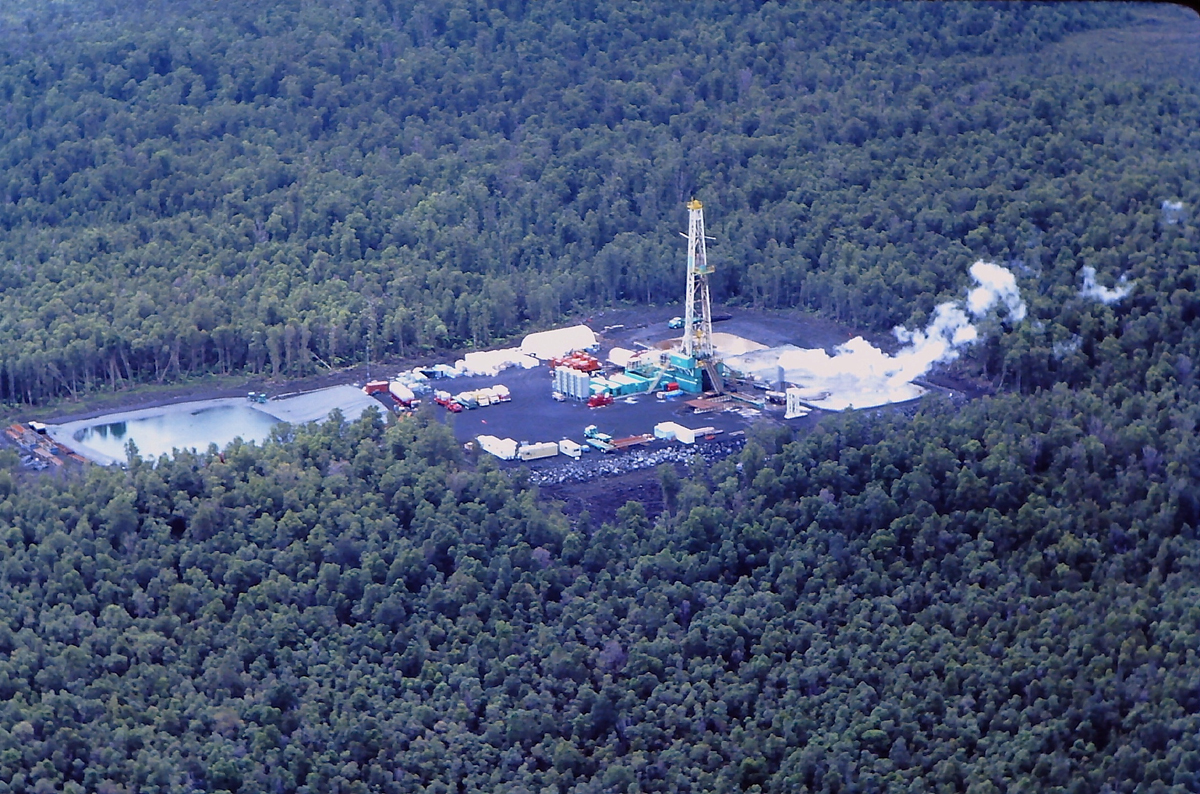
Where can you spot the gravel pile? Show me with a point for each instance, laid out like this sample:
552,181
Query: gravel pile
595,464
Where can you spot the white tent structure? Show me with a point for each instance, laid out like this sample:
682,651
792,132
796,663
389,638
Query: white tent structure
502,448
620,356
550,344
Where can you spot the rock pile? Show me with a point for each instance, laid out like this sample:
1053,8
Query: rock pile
596,465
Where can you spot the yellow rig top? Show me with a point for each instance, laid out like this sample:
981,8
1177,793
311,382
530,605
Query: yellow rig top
694,205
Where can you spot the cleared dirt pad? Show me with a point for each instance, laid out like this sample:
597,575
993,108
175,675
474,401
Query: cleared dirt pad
602,498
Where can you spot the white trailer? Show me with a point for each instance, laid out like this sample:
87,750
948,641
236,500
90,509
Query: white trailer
537,451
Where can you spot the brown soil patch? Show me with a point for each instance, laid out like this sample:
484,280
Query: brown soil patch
602,497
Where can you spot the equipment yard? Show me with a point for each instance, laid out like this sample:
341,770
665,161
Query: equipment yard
638,385
646,386
533,415
529,412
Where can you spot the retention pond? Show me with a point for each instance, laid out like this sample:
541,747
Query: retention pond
161,434
195,425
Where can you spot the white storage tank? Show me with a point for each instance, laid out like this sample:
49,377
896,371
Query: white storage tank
572,382
794,407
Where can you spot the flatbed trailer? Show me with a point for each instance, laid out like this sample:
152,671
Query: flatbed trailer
631,441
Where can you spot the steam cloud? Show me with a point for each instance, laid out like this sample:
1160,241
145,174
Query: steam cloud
1105,295
860,375
1173,212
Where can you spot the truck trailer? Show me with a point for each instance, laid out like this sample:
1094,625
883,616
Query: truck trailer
537,451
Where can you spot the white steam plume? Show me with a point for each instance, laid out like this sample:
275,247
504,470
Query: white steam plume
1173,212
1091,289
996,285
860,375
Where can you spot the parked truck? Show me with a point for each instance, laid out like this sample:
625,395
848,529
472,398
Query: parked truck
446,400
594,438
600,400
402,395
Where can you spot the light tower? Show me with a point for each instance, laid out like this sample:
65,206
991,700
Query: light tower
697,309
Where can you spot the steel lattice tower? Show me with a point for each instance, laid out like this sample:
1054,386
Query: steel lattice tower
697,318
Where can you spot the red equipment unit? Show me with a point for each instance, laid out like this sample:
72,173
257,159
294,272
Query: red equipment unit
600,400
584,362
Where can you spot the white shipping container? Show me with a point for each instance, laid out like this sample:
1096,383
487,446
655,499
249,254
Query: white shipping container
602,385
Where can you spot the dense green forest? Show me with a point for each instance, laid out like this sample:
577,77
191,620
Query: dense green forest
1001,597
244,187
993,596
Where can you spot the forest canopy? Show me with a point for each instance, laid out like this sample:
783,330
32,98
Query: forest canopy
266,188
993,597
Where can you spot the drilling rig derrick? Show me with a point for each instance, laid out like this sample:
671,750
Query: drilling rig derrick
697,318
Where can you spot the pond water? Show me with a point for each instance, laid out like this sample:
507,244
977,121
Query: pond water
158,435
